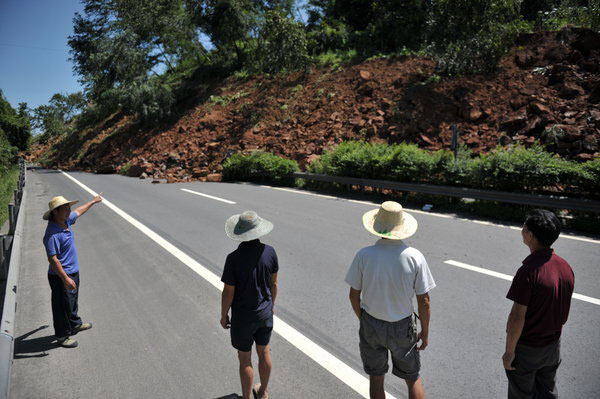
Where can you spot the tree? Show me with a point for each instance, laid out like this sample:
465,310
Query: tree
118,45
15,125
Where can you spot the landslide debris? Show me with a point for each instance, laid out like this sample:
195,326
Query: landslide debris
547,89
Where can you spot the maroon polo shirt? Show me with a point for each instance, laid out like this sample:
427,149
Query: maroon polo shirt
545,285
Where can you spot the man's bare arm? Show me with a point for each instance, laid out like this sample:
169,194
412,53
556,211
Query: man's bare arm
226,301
85,207
273,289
514,328
424,306
355,301
60,272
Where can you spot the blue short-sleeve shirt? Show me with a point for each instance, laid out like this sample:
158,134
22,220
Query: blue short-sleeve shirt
61,242
250,268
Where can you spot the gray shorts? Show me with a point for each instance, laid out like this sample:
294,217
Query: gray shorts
377,337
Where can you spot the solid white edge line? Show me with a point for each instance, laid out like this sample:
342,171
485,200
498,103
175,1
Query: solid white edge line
336,367
503,276
440,215
208,196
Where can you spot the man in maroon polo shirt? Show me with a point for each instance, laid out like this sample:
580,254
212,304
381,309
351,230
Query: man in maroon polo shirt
541,291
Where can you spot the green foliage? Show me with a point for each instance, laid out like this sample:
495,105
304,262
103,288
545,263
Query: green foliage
259,166
15,127
335,58
470,36
8,183
282,44
558,14
515,169
224,100
55,118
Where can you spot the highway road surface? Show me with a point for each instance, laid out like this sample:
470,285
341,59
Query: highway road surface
151,258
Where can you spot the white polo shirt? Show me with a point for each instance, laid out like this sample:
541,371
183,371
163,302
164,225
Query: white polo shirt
389,274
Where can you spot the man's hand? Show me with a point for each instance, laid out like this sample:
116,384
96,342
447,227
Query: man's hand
424,341
97,198
70,284
225,322
507,359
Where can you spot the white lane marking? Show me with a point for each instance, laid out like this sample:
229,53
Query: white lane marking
339,369
208,196
439,215
503,276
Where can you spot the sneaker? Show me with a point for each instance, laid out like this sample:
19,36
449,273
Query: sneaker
67,342
82,327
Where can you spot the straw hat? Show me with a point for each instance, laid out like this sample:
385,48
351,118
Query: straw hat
247,226
55,203
390,221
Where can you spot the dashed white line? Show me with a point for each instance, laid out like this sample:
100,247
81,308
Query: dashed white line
507,277
208,196
339,369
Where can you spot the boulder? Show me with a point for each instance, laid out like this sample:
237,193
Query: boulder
135,171
513,123
364,75
569,91
538,109
524,59
106,169
214,177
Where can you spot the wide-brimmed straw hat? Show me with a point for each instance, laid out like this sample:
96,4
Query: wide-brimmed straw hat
247,226
390,221
55,203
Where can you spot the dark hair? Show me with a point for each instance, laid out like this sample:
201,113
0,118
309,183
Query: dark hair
544,225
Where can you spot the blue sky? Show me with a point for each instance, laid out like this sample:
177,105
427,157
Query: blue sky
33,49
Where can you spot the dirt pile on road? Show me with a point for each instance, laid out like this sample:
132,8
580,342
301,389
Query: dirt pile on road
546,89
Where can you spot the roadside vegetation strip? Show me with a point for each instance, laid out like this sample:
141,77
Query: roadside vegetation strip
507,277
208,196
8,183
339,369
436,214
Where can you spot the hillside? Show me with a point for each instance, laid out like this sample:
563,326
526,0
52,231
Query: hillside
546,89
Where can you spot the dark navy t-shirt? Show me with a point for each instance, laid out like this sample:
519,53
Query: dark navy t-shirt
545,285
249,268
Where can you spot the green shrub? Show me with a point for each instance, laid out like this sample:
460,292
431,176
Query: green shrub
8,183
507,169
524,169
259,166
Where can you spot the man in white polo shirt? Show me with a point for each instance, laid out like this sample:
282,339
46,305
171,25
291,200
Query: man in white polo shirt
383,279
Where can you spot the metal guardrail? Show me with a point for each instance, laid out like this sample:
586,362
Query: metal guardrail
547,201
10,272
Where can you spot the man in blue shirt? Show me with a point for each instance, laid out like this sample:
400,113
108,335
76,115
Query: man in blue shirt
250,289
63,271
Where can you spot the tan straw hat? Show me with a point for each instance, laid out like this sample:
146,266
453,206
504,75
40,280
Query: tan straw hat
390,221
247,226
55,203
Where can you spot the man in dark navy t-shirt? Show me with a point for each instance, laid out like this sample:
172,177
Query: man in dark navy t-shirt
250,289
541,291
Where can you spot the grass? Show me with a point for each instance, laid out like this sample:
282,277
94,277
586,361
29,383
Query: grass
8,183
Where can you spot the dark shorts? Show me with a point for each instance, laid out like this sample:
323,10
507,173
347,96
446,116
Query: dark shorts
535,372
243,335
378,337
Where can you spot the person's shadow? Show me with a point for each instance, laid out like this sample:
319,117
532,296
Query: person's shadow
35,347
230,396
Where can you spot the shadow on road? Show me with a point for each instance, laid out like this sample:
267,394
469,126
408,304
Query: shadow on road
230,396
35,347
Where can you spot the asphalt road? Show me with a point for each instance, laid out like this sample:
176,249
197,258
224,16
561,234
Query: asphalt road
156,321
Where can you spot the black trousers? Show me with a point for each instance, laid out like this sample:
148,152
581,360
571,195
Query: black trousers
535,374
64,305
